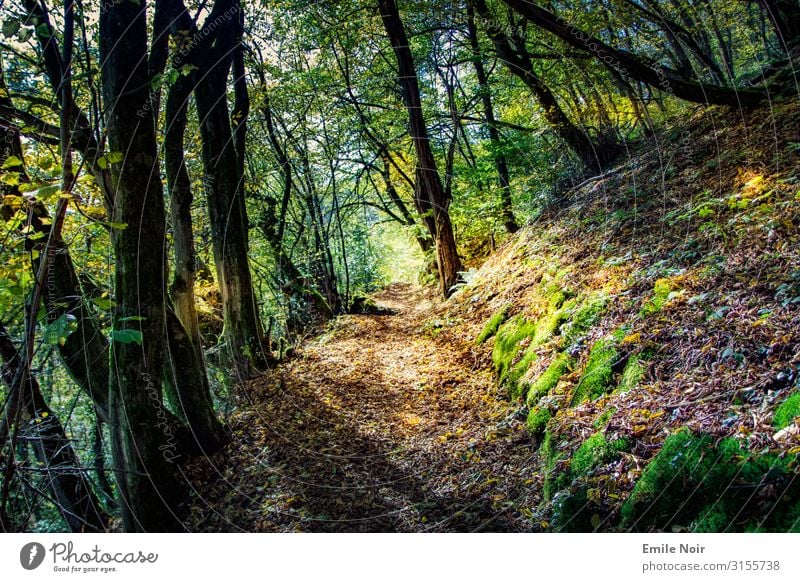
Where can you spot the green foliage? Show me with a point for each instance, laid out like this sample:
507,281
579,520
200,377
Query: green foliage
127,336
787,411
549,378
492,325
695,484
598,374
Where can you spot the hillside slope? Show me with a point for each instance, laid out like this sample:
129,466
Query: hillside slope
628,362
647,329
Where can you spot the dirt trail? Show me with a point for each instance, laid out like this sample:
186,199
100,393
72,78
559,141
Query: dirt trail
377,425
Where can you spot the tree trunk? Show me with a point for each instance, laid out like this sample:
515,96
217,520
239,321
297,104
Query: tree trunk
226,207
592,156
629,65
429,193
506,207
72,490
142,449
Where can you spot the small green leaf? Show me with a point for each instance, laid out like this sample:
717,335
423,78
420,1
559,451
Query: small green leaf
127,336
11,162
57,332
103,303
10,179
47,193
10,28
43,30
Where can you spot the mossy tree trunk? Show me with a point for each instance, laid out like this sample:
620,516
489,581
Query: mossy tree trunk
225,192
145,477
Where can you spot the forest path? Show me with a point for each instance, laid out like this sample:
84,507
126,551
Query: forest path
376,425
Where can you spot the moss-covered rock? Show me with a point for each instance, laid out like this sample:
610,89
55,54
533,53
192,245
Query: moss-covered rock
662,294
507,343
787,411
697,484
560,365
574,511
537,420
492,325
587,313
598,375
632,374
535,335
550,456
595,451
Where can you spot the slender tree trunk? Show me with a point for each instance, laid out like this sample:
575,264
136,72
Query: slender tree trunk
142,449
518,61
633,67
71,488
506,207
429,195
226,207
85,351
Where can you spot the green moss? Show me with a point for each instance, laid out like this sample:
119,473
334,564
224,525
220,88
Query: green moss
492,325
507,343
549,325
556,300
550,456
544,329
538,418
516,388
549,378
598,374
595,451
632,374
714,519
662,293
787,411
583,318
701,485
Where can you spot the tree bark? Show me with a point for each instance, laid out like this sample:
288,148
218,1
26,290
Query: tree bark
224,193
429,194
142,449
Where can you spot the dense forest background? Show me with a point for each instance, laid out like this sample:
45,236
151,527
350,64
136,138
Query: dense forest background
192,189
